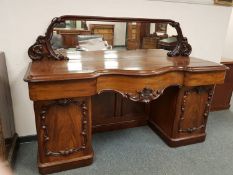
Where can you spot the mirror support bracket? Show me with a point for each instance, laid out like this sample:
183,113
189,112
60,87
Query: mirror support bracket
183,48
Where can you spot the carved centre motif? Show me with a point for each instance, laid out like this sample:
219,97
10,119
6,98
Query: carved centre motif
64,102
146,95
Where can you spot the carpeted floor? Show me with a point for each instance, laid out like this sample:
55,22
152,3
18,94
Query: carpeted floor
139,151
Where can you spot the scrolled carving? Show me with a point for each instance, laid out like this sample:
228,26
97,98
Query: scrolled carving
42,48
38,50
146,95
198,90
64,102
183,48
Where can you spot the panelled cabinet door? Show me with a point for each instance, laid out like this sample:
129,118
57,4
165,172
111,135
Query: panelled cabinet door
63,127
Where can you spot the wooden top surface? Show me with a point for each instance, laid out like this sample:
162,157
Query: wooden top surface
83,65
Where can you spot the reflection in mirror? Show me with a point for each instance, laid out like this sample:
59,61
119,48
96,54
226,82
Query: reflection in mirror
73,36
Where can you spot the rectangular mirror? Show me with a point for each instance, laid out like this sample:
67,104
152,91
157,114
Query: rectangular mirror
87,35
68,36
100,35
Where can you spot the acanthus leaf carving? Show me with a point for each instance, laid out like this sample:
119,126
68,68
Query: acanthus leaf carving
38,50
145,95
183,48
42,47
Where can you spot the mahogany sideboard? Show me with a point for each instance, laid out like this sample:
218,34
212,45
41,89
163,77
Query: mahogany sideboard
78,93
177,90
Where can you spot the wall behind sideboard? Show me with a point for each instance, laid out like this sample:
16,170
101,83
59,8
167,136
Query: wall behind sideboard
228,47
22,21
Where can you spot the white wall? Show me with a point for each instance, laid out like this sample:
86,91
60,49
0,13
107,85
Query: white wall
22,21
120,34
189,1
228,47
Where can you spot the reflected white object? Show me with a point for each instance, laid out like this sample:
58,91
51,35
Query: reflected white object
111,64
110,55
133,68
93,44
74,65
73,54
171,31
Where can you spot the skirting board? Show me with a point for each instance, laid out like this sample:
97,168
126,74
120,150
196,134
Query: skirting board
26,139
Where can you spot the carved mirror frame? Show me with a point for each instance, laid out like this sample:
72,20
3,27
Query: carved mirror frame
43,49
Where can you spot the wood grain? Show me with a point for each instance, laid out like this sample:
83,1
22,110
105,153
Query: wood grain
154,82
64,132
95,64
64,89
185,122
178,92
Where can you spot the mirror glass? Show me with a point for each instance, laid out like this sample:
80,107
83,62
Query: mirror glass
74,36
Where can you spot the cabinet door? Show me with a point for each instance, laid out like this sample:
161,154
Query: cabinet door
63,128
